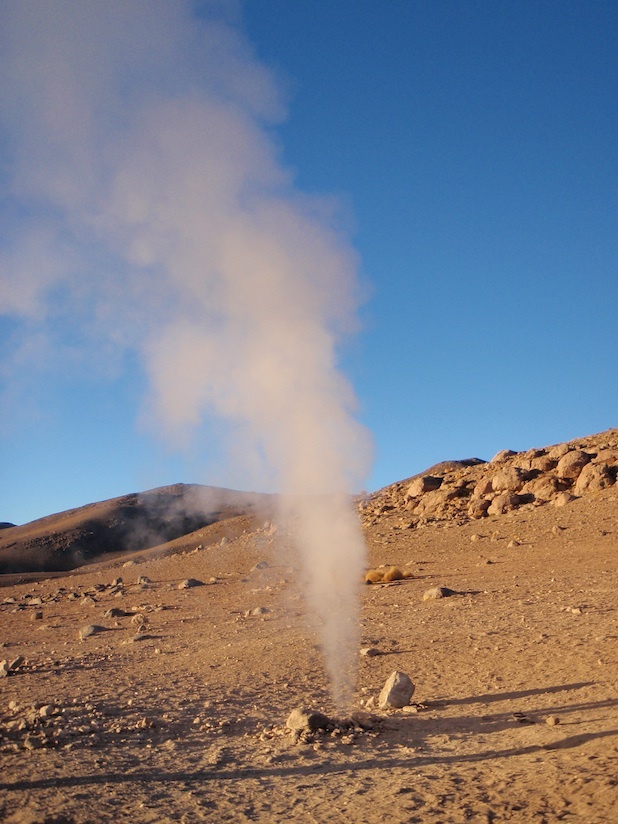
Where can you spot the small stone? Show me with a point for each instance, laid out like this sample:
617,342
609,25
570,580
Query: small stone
552,720
46,710
189,583
140,636
437,592
4,669
260,611
563,498
370,652
302,719
116,582
91,629
17,662
88,601
37,615
144,580
115,612
593,478
260,565
397,691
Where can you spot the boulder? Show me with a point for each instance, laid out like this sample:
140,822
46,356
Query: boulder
396,692
419,486
503,455
544,488
559,451
607,456
543,463
510,479
483,487
593,478
503,503
571,464
477,508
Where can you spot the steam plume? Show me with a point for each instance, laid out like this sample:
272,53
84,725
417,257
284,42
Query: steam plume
148,208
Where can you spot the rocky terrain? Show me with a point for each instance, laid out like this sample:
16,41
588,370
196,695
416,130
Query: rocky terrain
167,684
458,491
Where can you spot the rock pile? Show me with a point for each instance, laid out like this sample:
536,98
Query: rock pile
311,727
472,489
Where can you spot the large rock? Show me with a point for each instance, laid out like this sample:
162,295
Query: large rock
544,488
397,691
503,455
503,503
571,464
510,479
431,504
559,451
543,463
419,486
607,456
477,508
303,719
483,487
593,478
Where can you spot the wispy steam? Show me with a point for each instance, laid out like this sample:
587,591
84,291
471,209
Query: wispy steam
146,206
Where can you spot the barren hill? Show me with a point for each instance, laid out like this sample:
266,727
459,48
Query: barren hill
124,525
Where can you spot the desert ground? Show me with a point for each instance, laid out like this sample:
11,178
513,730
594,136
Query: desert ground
155,686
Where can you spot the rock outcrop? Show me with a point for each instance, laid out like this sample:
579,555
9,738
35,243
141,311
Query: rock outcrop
467,490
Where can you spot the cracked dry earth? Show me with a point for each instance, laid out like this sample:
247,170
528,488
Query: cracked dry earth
179,715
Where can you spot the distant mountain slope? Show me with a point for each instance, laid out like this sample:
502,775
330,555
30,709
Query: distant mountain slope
126,524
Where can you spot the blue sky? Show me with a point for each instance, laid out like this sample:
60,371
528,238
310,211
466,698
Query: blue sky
468,151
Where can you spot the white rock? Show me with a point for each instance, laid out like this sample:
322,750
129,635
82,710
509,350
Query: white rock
397,691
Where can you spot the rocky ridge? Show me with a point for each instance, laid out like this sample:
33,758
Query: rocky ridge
472,489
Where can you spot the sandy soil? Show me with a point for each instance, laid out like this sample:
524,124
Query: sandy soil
179,715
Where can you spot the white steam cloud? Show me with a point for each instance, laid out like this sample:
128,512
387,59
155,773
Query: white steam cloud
145,206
